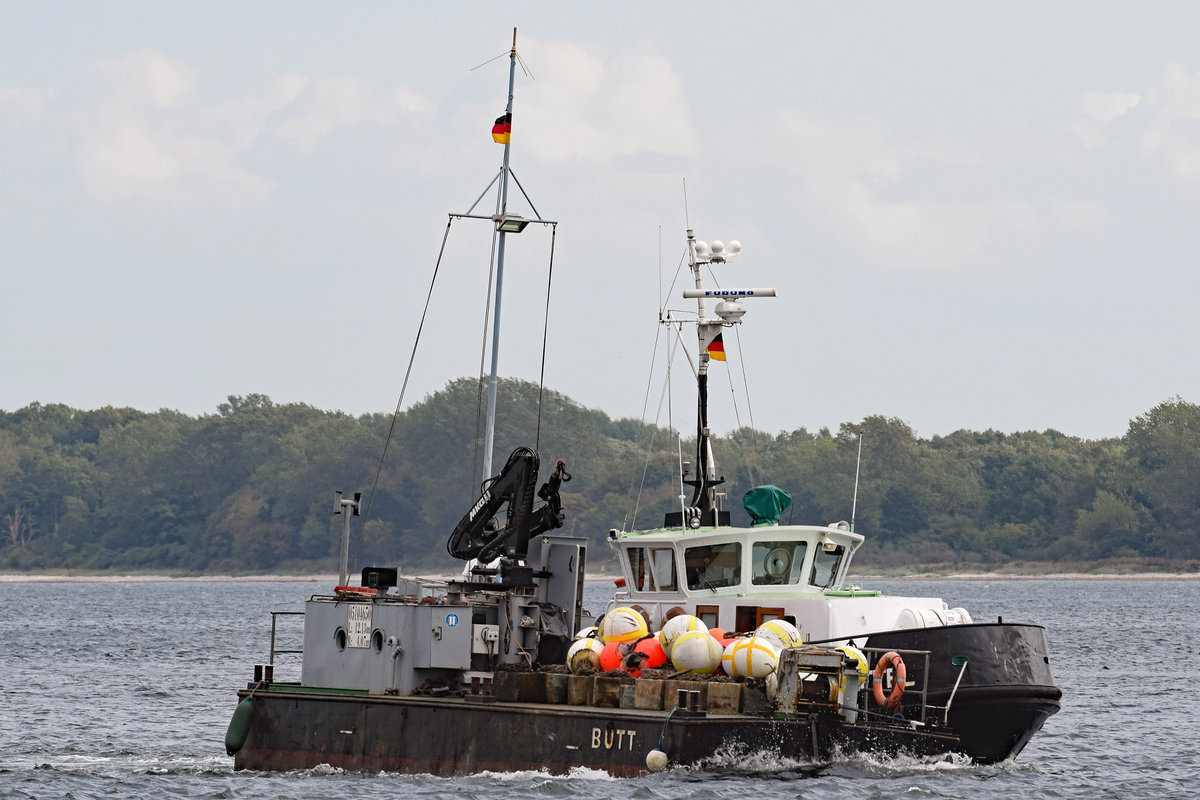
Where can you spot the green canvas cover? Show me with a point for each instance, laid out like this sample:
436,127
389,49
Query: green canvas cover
765,504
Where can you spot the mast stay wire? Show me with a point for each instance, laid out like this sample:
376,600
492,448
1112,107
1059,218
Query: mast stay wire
545,329
745,382
672,346
664,317
403,390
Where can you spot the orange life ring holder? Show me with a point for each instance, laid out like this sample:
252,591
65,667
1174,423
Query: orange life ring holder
892,701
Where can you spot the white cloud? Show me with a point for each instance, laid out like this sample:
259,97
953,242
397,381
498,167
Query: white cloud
147,78
128,156
122,155
874,193
598,107
242,120
147,139
333,103
21,108
1107,106
139,128
1098,109
1175,101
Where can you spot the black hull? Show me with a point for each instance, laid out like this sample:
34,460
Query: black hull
1002,697
1005,693
299,730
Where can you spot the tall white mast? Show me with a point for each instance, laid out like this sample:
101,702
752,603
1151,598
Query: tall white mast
489,431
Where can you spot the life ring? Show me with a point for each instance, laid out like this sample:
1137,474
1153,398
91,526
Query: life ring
900,675
355,591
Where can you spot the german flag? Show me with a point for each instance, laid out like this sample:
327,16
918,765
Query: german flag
502,130
716,350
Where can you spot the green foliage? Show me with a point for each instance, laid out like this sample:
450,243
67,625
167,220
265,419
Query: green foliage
1163,447
249,488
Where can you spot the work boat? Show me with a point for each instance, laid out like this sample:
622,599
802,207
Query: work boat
723,640
940,680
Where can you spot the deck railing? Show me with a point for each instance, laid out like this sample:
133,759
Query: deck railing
275,615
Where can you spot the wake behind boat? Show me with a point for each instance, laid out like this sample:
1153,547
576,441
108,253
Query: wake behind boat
722,637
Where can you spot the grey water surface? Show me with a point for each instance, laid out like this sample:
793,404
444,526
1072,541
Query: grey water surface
124,690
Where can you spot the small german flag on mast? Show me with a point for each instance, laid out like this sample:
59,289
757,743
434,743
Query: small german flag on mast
716,350
502,130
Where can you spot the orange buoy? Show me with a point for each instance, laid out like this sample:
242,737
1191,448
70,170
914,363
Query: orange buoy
652,649
610,656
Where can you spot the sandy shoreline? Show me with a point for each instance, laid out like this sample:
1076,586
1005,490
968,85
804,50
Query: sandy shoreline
332,579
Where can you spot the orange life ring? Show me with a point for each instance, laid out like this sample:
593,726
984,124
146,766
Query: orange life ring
892,702
355,591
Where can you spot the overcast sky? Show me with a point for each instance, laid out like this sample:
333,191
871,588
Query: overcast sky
976,216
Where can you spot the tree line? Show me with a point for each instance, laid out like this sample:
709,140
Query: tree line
250,487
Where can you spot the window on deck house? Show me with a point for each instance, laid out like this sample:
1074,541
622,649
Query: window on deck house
774,562
825,566
713,566
653,568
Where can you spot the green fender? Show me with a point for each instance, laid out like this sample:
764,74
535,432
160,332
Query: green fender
239,726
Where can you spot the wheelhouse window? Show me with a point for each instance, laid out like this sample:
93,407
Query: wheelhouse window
653,569
713,566
662,561
825,566
773,562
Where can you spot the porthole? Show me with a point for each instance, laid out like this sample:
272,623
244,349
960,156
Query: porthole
377,640
339,638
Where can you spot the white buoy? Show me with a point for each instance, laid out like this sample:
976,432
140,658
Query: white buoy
656,760
677,626
754,657
622,625
779,632
589,633
585,653
696,651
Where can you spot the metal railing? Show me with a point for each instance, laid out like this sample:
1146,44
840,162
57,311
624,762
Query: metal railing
873,654
275,615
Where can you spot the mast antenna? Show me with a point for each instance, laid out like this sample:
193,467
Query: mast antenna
857,466
728,312
505,223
